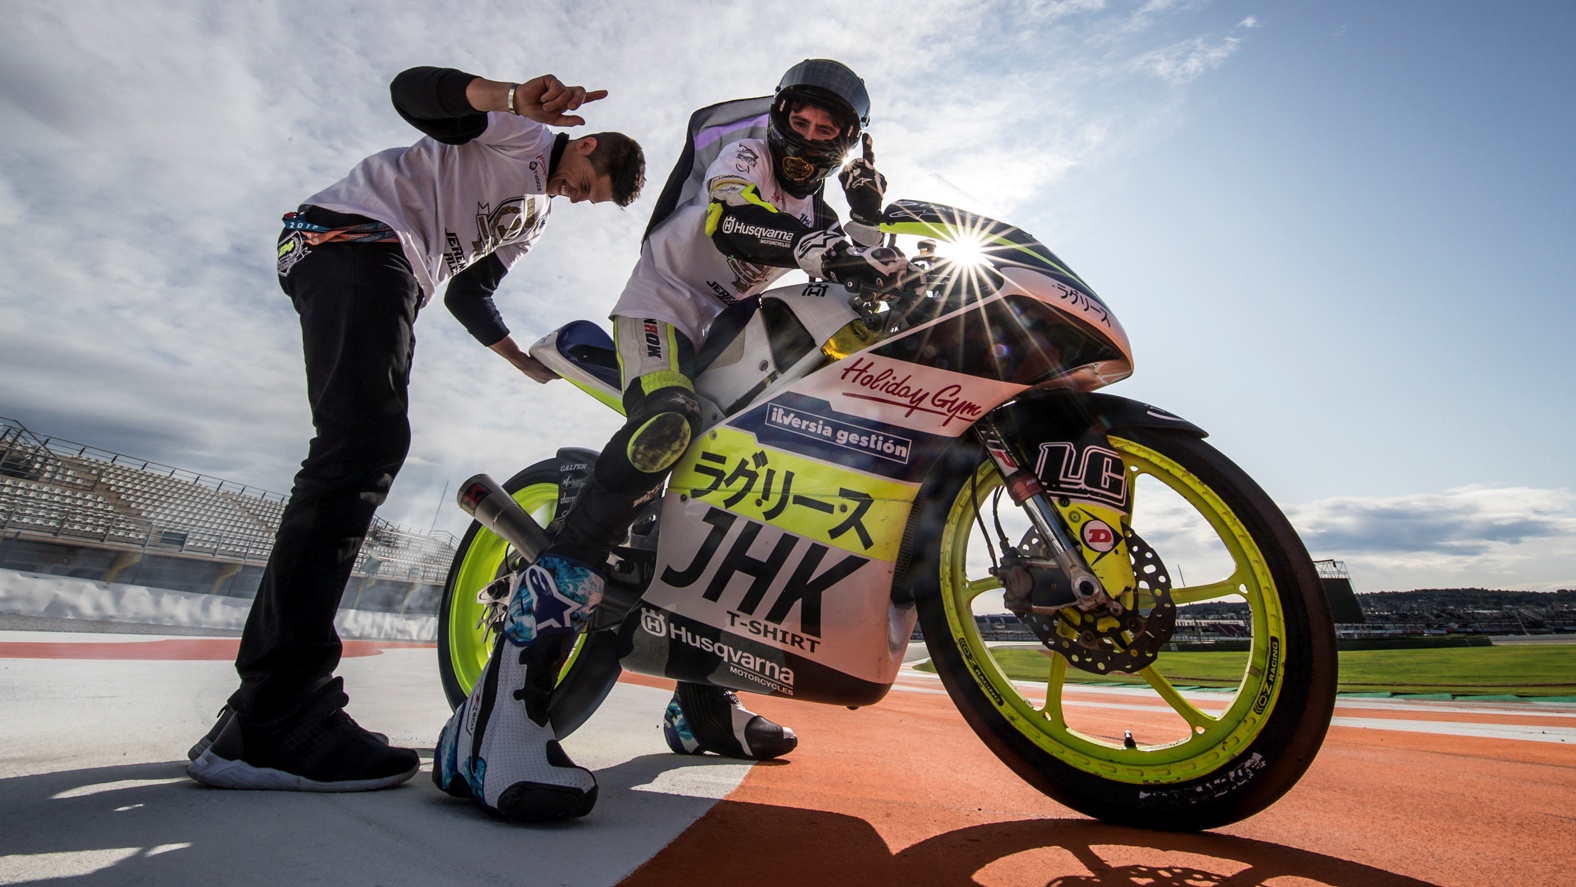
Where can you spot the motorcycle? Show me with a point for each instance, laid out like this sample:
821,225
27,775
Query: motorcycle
940,453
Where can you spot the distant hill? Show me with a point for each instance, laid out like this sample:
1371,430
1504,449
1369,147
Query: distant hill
1449,609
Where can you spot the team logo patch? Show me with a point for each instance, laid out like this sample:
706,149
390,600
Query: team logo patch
292,249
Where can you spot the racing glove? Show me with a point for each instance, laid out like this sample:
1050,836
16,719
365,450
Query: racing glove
865,188
825,255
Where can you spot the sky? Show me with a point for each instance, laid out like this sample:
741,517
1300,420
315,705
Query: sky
1336,232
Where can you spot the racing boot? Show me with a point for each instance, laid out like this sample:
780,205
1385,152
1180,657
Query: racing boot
499,748
702,718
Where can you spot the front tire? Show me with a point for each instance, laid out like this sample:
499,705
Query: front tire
1157,753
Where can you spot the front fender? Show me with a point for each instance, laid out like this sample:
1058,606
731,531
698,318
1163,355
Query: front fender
1068,413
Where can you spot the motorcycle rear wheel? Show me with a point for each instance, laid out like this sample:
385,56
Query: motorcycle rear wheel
1154,753
463,643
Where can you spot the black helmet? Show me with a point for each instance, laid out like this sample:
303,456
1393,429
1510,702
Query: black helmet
802,164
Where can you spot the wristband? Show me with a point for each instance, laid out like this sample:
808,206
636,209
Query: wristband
512,88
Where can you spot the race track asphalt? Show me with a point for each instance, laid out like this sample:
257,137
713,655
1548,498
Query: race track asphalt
94,728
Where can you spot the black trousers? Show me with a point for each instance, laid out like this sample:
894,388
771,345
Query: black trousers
357,304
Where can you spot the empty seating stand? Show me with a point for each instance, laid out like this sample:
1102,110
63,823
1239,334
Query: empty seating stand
72,509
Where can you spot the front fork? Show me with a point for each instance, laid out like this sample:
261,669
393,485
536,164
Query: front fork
1064,577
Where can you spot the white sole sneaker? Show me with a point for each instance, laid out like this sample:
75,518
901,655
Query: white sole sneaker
212,770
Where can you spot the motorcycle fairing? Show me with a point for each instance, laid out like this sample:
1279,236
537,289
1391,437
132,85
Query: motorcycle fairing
1027,317
782,556
1054,414
1001,244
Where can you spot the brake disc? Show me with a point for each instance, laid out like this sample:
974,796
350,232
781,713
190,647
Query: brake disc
1101,643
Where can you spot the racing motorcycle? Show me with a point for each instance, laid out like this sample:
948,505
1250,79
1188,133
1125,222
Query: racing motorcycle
939,453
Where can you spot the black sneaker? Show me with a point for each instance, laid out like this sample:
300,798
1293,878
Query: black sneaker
702,718
318,748
223,718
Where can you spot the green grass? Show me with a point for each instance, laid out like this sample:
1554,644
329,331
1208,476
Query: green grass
1530,670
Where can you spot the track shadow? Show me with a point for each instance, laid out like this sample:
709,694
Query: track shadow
150,824
763,844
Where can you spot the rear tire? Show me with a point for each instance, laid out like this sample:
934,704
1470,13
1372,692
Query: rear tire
1184,763
463,646
592,668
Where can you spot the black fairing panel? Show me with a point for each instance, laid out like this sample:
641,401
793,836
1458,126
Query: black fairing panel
1064,415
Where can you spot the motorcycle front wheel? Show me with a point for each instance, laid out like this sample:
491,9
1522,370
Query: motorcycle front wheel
1192,741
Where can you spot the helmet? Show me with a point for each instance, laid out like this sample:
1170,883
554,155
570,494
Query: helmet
800,163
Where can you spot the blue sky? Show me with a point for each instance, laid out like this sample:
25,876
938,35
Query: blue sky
1336,232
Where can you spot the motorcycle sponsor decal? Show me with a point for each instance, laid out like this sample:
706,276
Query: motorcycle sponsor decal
764,234
840,434
761,670
814,290
772,592
885,387
979,673
1081,302
651,333
1219,787
1089,472
811,570
825,502
770,632
654,622
1271,675
789,423
1098,536
908,395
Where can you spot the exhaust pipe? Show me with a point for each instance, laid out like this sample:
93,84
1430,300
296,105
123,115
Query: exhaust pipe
483,499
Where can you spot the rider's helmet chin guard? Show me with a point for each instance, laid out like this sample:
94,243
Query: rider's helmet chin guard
802,164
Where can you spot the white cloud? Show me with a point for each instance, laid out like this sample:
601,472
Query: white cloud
1471,536
148,149
1185,62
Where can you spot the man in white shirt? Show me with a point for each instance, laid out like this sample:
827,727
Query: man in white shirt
358,260
760,214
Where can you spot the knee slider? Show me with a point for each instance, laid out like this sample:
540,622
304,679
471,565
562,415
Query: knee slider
659,441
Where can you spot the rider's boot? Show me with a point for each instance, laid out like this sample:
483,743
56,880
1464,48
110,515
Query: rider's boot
499,748
702,718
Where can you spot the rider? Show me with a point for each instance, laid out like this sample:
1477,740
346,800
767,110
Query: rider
760,214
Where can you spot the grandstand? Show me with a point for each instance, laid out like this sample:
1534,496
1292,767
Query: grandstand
69,509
